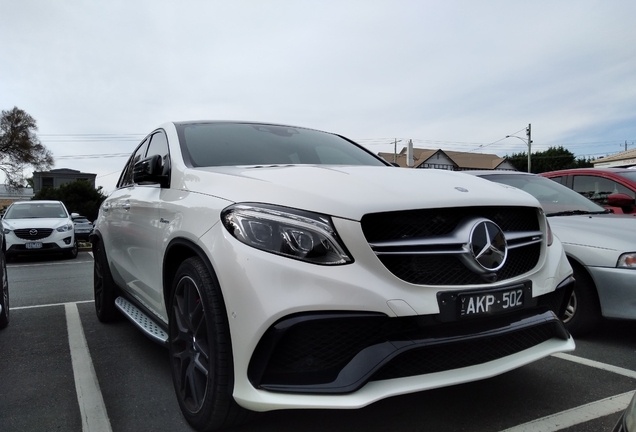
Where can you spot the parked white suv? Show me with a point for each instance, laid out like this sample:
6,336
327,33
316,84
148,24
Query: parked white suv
32,227
286,267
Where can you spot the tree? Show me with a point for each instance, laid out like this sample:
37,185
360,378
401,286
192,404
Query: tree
78,197
20,147
554,158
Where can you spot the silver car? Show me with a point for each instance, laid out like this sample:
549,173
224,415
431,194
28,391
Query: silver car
600,246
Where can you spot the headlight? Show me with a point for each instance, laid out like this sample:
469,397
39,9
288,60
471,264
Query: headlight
627,260
64,228
283,231
6,230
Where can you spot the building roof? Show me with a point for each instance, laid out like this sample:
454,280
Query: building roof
463,160
628,156
475,160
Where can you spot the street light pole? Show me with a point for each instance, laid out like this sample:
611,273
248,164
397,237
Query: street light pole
528,142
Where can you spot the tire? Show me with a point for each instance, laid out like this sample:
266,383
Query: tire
72,253
583,312
104,287
201,350
4,292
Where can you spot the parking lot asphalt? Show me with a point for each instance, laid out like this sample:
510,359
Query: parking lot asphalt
61,369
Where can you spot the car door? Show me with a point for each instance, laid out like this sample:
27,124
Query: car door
142,215
116,228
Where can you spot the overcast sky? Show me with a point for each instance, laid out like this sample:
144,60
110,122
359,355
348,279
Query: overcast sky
457,75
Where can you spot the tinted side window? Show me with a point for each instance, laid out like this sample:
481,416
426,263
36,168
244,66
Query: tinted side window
159,146
599,188
139,154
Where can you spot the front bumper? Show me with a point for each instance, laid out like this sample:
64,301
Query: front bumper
616,289
55,242
263,292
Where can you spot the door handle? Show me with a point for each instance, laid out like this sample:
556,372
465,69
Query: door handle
126,205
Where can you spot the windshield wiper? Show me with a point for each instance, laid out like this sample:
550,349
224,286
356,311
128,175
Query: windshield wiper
577,212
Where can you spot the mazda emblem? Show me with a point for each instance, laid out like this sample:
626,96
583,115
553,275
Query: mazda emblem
33,232
488,245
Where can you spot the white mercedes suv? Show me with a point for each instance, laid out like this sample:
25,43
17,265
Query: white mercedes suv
286,267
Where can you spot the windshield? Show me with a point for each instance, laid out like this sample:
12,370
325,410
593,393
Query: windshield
36,210
231,144
554,197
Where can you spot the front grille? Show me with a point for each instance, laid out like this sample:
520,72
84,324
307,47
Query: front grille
433,222
448,270
33,233
427,247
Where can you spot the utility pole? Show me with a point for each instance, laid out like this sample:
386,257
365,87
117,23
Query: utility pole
527,141
529,134
395,149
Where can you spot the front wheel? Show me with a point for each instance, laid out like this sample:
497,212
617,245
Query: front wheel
583,312
4,292
72,252
201,349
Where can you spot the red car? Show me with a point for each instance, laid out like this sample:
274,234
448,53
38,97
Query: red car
612,188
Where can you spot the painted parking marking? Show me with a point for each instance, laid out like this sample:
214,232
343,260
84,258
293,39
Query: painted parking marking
583,413
603,366
49,305
89,396
574,416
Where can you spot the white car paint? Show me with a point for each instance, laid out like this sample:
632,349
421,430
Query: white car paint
260,288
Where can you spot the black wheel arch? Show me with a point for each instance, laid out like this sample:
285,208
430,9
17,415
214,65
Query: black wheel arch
179,250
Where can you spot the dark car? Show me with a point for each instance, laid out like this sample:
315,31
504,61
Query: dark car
612,188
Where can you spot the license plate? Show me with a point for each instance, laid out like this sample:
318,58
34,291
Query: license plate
33,245
489,303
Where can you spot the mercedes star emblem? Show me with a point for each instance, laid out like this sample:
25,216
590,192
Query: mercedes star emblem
488,245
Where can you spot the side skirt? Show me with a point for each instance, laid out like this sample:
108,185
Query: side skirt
142,321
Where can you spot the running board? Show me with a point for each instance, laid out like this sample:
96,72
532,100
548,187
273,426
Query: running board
142,321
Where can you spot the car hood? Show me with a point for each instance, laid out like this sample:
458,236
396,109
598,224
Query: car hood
352,191
615,232
14,224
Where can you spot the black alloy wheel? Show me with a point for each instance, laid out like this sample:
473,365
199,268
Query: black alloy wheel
200,349
4,294
104,288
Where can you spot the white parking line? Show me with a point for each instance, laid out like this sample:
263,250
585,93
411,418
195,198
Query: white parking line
50,305
574,416
89,396
604,366
583,413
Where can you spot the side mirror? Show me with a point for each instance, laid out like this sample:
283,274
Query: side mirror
620,200
148,170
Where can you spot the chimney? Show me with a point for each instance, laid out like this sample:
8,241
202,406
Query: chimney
409,155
